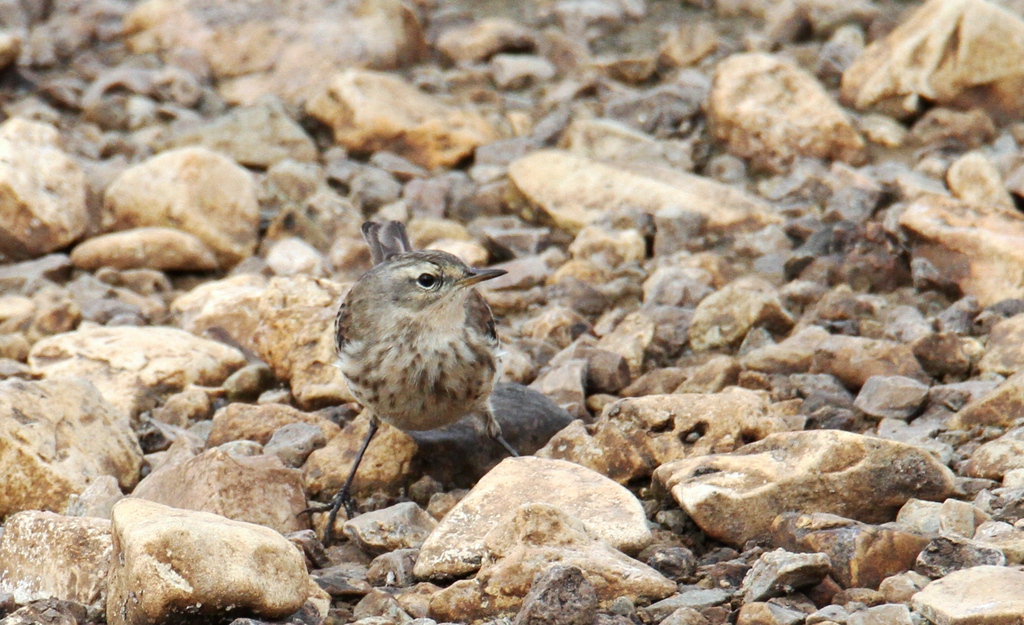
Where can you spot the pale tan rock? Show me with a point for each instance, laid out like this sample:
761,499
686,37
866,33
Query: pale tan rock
981,595
1003,353
230,305
795,354
575,191
770,111
43,191
484,38
975,180
692,41
735,497
194,190
531,538
995,458
958,52
48,556
401,526
372,111
131,366
723,318
630,339
1004,537
291,256
258,422
56,436
164,249
1001,406
979,248
256,489
611,512
854,359
610,141
385,466
255,136
97,500
265,47
295,338
169,563
632,437
612,248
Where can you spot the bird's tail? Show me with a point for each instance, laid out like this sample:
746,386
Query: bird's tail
386,239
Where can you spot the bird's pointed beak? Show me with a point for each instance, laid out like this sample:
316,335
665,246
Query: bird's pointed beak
476,276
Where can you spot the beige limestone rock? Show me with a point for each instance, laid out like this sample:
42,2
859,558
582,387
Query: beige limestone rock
861,555
794,354
97,499
256,489
995,458
45,555
611,142
980,595
1001,406
194,190
528,540
56,436
610,512
574,191
630,339
254,136
295,337
132,366
372,111
258,422
42,191
265,47
957,52
385,466
770,111
1003,353
723,318
736,497
229,305
484,38
165,249
978,247
170,564
854,359
975,180
632,437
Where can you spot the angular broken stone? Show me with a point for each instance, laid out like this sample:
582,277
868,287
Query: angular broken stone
982,594
891,397
528,541
861,555
59,435
402,526
769,110
256,489
945,554
977,247
610,511
778,573
168,564
735,497
634,436
372,111
576,191
130,365
947,51
1001,406
854,359
723,318
1002,352
996,458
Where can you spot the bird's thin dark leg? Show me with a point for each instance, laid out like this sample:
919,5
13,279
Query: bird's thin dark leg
494,431
344,498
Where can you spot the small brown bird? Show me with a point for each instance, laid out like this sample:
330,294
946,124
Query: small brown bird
416,343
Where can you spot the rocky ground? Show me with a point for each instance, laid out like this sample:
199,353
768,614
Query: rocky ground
763,317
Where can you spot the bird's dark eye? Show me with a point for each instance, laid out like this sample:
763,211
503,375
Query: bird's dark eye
427,280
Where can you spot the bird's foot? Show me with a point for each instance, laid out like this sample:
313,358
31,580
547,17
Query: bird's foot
342,499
